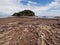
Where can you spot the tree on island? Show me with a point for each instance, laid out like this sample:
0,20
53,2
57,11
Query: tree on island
24,13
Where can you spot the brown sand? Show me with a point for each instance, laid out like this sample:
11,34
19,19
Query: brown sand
29,31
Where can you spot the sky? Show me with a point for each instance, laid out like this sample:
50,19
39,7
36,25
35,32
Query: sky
40,7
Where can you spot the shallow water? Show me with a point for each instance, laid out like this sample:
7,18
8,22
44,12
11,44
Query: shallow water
44,17
2,16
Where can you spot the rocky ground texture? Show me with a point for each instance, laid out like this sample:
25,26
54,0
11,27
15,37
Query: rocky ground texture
29,31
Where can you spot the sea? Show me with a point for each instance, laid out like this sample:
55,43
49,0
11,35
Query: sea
5,16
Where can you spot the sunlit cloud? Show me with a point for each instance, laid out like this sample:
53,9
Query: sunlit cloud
11,6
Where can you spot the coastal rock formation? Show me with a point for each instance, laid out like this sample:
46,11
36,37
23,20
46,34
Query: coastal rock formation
24,13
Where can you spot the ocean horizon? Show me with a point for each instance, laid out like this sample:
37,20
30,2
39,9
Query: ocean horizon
5,16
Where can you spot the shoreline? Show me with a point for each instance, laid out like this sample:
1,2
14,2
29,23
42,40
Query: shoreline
35,17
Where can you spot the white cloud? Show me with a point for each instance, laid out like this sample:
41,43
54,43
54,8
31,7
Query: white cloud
11,6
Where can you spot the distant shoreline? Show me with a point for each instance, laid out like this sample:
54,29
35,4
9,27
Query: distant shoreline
47,17
30,16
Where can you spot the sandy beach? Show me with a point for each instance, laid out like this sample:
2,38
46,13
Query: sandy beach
29,31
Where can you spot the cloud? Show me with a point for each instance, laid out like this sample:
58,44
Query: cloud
11,6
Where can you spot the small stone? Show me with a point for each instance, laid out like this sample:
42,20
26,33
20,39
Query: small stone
26,30
10,28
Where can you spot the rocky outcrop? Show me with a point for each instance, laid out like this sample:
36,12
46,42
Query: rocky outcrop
24,13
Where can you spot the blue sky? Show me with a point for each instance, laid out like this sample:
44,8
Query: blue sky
40,2
40,7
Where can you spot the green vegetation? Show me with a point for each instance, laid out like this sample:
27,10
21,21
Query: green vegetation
24,13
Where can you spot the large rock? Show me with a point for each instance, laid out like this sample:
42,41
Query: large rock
24,13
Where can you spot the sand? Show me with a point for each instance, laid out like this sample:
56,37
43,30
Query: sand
29,31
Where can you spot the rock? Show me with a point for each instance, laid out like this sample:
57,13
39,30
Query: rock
26,30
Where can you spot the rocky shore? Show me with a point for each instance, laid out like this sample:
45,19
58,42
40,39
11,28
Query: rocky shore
29,31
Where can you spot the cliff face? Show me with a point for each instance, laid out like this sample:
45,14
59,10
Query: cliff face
29,31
